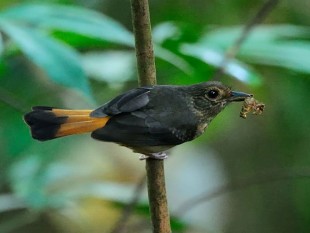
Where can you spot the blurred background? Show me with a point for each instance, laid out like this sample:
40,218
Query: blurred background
241,176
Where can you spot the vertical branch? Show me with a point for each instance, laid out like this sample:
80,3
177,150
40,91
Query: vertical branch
143,39
157,196
147,76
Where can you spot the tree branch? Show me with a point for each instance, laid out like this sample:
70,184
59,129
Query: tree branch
157,196
143,39
147,76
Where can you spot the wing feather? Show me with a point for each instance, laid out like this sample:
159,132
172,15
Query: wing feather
144,117
134,131
128,102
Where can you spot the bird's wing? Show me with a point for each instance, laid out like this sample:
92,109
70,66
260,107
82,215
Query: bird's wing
132,130
128,102
137,121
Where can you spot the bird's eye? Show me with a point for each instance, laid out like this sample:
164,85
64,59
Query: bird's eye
212,94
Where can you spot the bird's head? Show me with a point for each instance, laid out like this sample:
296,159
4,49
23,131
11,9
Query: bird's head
210,98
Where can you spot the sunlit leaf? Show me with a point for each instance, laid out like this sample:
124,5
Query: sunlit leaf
165,31
92,24
287,54
173,59
9,202
110,66
215,58
115,192
72,19
277,45
224,37
54,184
60,62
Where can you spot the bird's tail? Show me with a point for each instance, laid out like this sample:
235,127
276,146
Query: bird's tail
47,123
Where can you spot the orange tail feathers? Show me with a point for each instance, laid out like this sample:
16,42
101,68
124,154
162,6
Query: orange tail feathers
47,123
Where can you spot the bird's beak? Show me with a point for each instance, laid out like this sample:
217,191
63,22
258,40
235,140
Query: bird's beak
238,96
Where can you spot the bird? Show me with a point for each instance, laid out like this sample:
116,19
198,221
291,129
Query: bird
149,120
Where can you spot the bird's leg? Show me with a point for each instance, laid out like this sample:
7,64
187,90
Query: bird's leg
159,155
143,157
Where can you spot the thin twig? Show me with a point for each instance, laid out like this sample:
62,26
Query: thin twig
129,208
261,14
147,76
258,179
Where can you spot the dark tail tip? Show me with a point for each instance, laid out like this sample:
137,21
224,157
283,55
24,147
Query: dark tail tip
42,108
43,123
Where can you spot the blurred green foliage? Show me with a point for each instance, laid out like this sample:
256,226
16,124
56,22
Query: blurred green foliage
66,54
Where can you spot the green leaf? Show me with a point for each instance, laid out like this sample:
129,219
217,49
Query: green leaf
224,37
54,184
173,59
110,66
1,45
91,24
279,45
287,54
12,125
164,31
27,183
9,202
115,192
215,58
59,61
72,19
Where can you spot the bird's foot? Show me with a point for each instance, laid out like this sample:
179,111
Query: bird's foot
159,156
143,157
